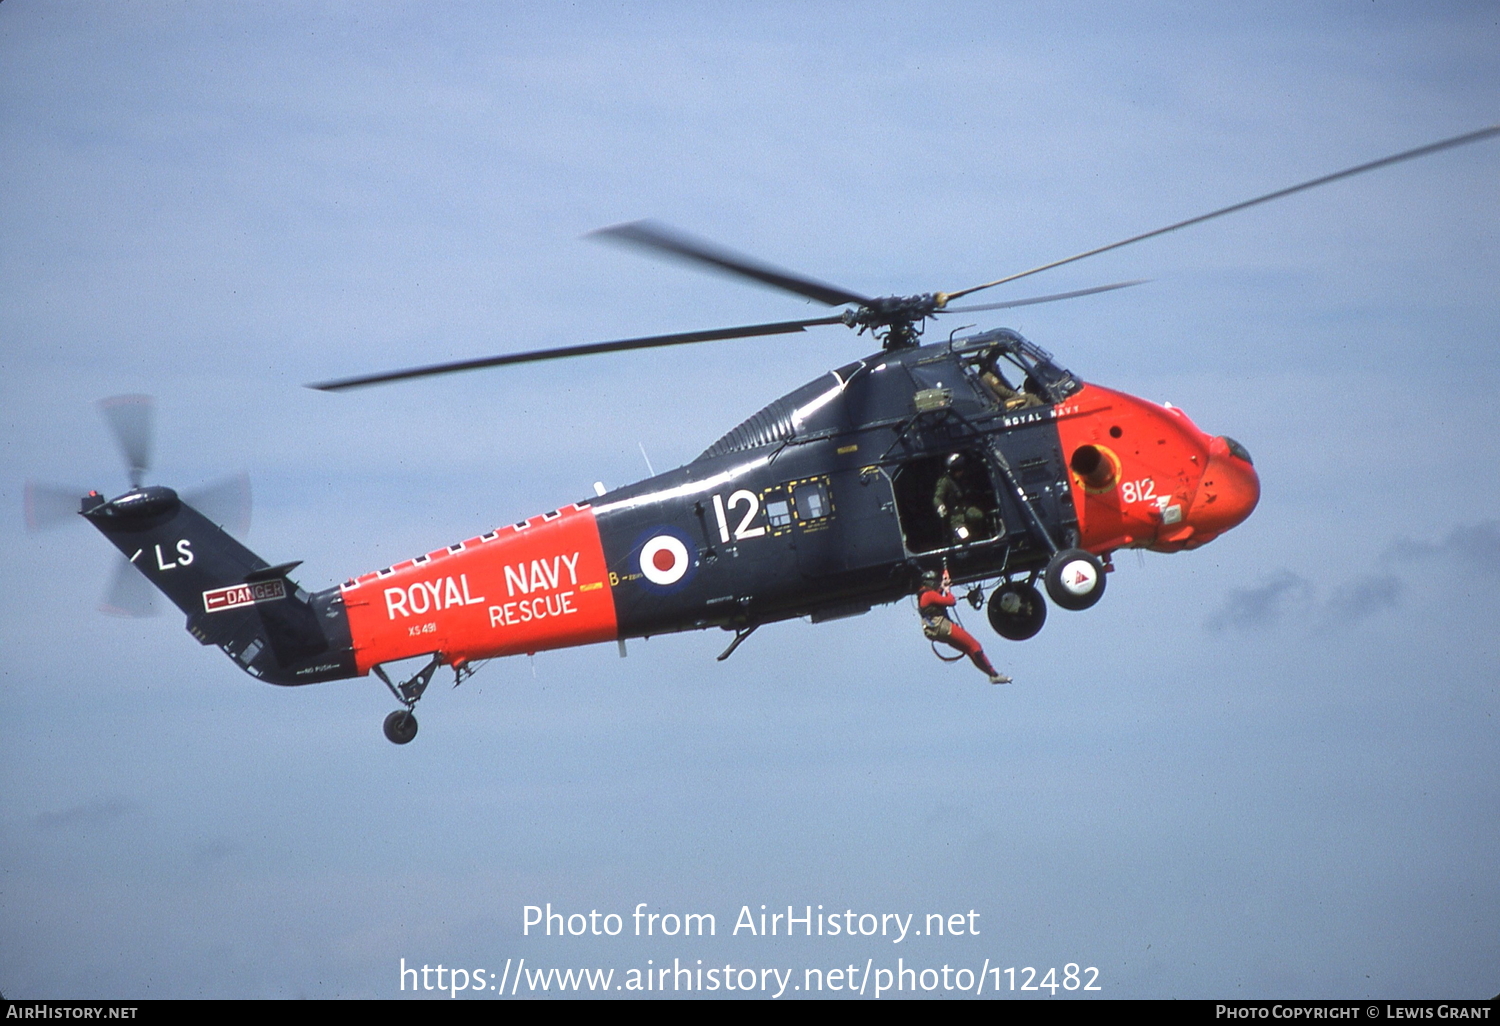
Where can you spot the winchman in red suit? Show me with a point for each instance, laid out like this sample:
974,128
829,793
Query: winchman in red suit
933,603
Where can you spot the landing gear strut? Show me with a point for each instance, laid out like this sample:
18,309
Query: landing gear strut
401,725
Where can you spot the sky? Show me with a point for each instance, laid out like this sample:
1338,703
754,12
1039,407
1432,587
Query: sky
1266,768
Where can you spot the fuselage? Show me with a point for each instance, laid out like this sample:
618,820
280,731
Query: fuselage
830,500
821,505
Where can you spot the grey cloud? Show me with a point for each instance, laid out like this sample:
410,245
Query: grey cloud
1363,598
1472,546
98,810
1475,545
1263,606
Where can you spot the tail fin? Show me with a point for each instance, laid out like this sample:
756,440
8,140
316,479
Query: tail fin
233,598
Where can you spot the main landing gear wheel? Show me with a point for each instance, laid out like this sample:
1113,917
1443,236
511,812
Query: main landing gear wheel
400,726
1075,579
1017,611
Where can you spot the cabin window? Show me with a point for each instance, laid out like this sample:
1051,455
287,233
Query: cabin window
779,513
811,500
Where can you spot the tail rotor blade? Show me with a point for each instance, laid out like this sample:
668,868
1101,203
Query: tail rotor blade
49,506
130,594
129,418
226,502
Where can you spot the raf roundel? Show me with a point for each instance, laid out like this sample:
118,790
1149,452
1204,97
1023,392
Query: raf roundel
664,559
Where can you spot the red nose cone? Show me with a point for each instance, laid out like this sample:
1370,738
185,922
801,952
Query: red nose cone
1228,493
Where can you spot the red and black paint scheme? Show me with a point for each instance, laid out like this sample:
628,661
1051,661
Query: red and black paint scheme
820,505
979,458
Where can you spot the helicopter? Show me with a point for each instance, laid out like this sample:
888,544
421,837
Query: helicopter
979,457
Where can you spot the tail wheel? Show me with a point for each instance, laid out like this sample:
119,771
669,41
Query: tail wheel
400,726
1017,611
1075,579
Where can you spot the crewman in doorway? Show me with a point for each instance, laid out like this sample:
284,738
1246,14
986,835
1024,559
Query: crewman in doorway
955,501
933,603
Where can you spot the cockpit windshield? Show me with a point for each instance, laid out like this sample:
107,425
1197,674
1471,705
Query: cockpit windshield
1012,372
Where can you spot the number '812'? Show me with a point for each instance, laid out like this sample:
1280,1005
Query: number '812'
1143,490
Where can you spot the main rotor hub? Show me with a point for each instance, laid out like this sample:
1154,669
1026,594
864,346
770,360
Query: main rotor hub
895,320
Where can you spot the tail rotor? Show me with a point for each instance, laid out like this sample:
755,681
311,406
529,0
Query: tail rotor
226,502
130,419
47,506
131,422
129,594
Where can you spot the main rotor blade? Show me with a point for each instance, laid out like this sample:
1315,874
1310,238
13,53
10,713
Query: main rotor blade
590,349
50,505
225,502
129,418
1420,151
1045,299
656,236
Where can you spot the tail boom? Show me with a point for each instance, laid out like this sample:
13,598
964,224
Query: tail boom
536,585
232,598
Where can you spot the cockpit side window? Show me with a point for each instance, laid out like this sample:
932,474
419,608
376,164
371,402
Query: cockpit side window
1005,379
